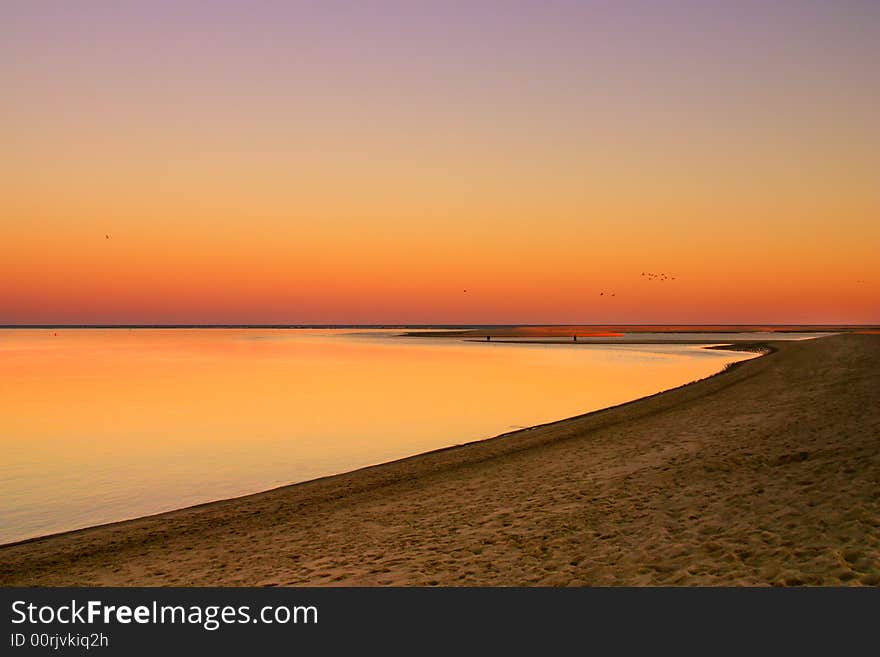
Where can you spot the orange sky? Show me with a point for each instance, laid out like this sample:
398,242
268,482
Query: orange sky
294,169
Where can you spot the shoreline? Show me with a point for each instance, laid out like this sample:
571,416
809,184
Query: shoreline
626,341
763,348
320,521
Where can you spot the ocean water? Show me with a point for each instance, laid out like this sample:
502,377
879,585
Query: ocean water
104,425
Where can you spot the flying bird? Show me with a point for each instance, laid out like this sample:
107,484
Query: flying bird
652,276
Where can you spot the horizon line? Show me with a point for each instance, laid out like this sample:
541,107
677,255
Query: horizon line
405,325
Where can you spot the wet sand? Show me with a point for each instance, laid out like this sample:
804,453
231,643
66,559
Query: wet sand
768,473
616,341
622,330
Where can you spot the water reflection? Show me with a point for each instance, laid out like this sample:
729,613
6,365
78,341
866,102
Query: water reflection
101,425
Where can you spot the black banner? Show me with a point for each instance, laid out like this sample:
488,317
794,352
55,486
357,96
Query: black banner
149,621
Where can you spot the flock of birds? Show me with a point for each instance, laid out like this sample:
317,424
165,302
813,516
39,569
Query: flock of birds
657,277
647,275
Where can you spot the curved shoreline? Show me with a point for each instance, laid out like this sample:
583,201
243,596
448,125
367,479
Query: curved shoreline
762,347
444,516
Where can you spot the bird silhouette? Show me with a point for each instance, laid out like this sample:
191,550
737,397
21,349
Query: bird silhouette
658,276
106,237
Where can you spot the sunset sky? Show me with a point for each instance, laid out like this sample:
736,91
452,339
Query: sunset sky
439,162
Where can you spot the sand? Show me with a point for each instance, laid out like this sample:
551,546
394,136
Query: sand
768,473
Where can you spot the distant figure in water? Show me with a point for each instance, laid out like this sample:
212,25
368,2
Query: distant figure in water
574,338
488,338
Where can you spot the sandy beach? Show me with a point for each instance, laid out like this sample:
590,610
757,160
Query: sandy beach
768,473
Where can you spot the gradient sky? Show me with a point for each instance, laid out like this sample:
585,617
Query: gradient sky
367,162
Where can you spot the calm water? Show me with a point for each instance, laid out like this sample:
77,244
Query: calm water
103,425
